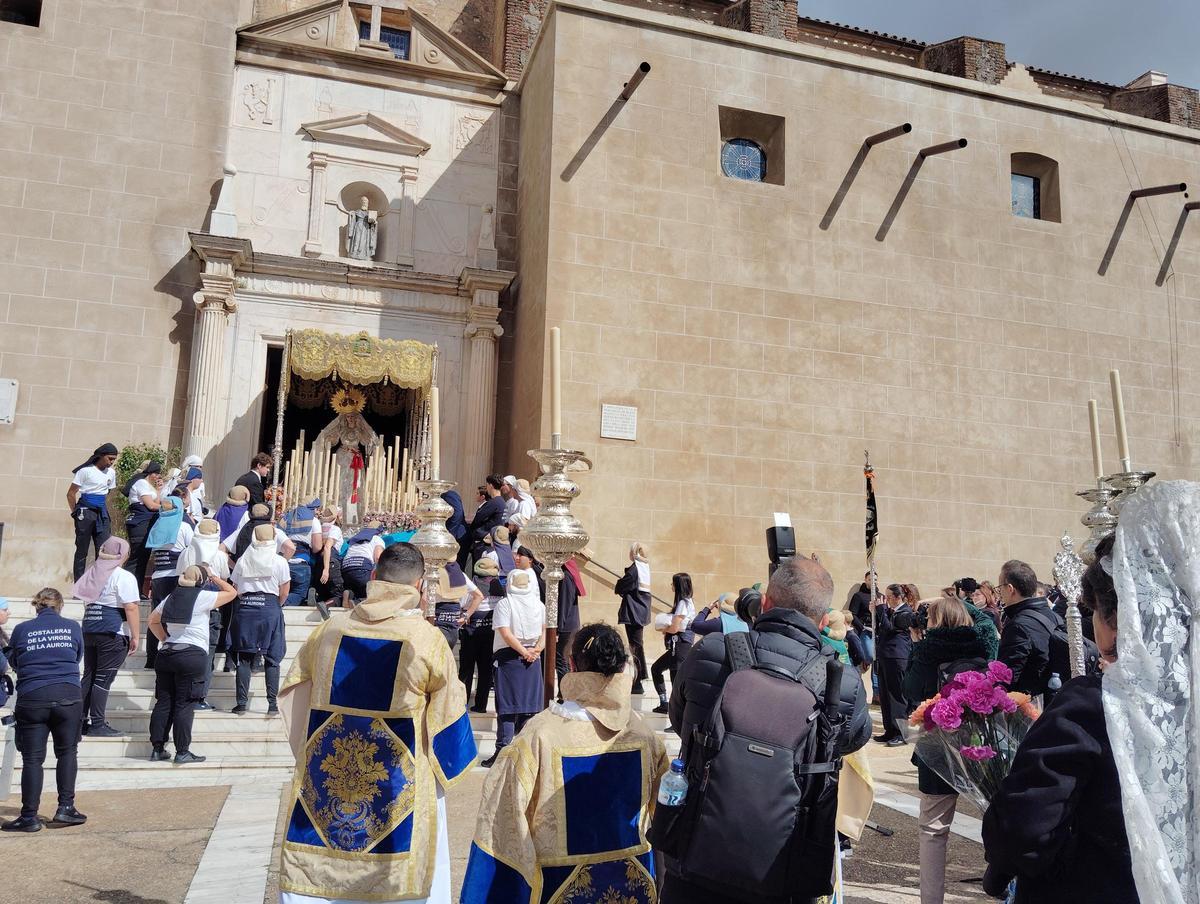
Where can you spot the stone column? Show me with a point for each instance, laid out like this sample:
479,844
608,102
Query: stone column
316,205
482,331
208,390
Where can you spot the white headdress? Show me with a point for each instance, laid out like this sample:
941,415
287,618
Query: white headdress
1150,693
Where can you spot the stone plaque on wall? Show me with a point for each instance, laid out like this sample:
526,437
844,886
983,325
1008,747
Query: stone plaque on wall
618,422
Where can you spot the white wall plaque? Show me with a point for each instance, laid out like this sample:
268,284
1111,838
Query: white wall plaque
618,422
8,400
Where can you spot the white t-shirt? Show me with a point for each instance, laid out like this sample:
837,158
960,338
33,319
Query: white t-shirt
196,507
231,541
142,488
182,542
334,538
687,609
92,480
280,575
526,622
364,550
121,589
194,632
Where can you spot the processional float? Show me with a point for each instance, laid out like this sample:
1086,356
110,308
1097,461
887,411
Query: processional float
347,464
1107,497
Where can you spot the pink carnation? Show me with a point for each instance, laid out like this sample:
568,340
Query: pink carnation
946,714
982,699
999,672
978,754
1004,701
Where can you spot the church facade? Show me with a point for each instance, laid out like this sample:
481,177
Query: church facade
750,293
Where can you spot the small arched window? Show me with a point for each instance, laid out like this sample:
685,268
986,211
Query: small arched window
742,158
1034,187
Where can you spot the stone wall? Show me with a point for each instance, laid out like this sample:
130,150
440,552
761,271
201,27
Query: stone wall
112,134
764,353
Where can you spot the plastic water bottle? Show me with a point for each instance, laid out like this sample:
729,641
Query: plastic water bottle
1054,685
672,790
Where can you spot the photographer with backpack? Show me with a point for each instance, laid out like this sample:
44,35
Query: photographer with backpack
762,743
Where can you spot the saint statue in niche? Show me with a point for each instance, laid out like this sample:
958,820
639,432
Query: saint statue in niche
361,232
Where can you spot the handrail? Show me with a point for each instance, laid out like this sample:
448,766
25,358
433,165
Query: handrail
590,561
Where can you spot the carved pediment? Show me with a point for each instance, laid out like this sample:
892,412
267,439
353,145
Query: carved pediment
332,29
366,130
434,47
313,26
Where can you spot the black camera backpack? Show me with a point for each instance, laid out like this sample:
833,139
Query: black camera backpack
758,820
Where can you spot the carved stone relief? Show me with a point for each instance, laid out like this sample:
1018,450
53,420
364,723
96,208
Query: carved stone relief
258,100
475,135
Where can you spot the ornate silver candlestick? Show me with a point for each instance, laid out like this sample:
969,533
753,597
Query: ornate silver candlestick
554,534
1099,519
436,543
1126,484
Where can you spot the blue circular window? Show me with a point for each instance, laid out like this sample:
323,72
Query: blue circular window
742,158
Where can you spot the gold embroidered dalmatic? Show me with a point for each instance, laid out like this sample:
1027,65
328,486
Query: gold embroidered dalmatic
385,719
566,807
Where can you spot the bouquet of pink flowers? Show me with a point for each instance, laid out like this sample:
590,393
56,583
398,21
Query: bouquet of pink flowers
969,733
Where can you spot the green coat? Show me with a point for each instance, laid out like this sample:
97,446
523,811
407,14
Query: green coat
921,680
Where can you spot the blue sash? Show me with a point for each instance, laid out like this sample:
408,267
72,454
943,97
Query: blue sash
98,619
165,558
98,503
137,516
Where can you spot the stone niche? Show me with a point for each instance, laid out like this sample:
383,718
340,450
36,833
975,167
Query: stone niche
356,156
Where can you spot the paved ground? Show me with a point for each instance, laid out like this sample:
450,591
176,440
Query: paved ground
137,847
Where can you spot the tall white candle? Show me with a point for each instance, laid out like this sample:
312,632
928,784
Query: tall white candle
1094,425
1114,379
435,435
555,384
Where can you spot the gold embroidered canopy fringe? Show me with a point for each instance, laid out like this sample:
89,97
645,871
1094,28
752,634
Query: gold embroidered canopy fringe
361,359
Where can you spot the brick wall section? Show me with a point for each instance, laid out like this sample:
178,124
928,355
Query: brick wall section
770,18
1175,104
965,57
522,21
112,135
736,16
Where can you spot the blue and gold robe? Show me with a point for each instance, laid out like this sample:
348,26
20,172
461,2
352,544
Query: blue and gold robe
566,807
384,723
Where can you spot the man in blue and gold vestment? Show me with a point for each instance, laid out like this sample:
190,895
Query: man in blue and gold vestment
380,727
566,807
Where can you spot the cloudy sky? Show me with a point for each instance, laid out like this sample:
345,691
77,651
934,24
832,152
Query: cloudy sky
1110,40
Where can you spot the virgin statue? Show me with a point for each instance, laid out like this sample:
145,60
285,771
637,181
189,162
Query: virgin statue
352,440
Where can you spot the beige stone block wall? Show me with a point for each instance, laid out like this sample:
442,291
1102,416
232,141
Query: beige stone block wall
112,134
764,353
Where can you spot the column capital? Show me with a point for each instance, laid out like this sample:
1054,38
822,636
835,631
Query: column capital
485,331
318,161
216,293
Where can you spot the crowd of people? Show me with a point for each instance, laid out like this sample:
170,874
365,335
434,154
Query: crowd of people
767,689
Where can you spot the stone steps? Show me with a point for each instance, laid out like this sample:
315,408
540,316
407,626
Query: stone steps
251,747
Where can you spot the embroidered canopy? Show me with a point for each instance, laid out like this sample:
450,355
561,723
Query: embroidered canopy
361,359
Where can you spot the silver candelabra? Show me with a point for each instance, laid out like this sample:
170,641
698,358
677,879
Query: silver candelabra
554,535
436,543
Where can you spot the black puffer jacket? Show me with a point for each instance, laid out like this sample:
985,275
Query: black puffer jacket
1057,823
780,637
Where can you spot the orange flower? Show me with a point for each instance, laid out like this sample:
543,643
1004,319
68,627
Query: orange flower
918,716
1024,705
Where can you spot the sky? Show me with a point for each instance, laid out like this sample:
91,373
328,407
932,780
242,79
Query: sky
1110,40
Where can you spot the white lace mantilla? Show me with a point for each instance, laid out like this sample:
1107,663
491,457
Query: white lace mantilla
1150,703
